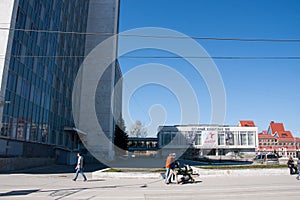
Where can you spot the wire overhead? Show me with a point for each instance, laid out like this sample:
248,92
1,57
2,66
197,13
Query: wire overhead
155,36
163,37
174,57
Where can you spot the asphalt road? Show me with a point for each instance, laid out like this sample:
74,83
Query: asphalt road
60,186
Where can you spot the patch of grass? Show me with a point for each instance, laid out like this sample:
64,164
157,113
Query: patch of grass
151,170
221,167
112,170
243,167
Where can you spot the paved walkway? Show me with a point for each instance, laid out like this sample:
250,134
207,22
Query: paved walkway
55,169
202,172
60,186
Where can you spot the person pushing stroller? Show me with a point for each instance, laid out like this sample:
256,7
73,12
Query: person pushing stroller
291,166
171,165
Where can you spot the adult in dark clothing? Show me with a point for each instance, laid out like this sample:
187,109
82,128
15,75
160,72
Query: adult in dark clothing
291,166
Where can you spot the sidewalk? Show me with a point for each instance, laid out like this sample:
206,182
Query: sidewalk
97,172
61,186
203,173
55,169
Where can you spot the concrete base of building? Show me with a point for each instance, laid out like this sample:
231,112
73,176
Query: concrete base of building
11,164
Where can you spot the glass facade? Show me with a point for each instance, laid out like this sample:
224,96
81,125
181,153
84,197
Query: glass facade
44,60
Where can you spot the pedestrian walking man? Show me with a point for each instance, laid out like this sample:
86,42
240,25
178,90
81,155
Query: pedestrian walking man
79,167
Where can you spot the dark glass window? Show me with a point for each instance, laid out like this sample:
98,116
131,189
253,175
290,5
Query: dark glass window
19,85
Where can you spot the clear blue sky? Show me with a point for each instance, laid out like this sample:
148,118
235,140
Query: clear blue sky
260,90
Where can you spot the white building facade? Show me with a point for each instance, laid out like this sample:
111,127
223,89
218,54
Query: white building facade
207,139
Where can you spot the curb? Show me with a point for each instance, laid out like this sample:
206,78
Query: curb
243,172
203,173
102,174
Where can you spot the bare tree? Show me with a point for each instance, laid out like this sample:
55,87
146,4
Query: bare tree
138,130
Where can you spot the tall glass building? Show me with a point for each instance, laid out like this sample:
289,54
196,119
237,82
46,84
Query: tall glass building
42,45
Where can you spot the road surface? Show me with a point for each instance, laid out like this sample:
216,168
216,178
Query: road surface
61,186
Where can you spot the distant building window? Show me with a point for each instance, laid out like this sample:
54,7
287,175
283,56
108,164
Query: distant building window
221,139
251,138
243,138
198,139
166,138
229,138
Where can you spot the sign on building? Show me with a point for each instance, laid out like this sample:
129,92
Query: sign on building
210,139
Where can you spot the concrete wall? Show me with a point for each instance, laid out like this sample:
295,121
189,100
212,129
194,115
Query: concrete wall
103,20
37,150
11,148
65,157
10,164
14,148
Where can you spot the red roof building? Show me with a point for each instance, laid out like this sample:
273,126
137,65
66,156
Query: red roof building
277,139
246,123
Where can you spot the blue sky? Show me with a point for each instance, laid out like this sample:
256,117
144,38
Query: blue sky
260,89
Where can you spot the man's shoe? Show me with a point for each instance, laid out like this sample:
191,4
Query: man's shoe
85,180
74,179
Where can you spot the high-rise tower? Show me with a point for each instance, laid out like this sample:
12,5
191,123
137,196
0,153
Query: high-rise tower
42,46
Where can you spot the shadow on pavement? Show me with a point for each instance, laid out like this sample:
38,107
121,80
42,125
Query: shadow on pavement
65,192
18,193
196,182
56,169
95,180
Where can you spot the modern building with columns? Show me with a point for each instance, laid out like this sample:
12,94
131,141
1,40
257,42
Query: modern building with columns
203,140
42,46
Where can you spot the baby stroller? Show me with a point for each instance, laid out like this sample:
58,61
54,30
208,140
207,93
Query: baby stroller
185,174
